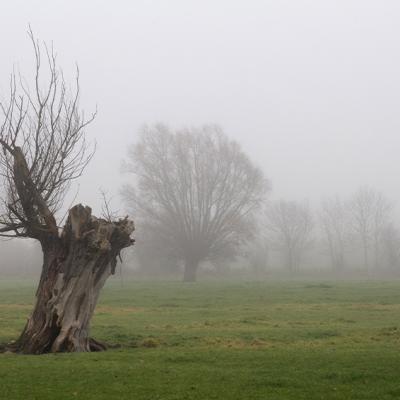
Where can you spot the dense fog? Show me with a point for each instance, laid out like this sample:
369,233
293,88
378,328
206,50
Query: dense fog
298,100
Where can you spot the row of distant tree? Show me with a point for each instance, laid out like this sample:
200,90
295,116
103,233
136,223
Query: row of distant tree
358,232
198,199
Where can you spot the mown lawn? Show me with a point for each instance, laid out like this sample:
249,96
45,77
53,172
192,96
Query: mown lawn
216,340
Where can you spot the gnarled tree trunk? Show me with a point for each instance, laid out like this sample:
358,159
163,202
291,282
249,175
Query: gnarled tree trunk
75,268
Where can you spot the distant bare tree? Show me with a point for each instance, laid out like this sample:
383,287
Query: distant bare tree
258,255
195,190
334,217
370,212
43,149
289,227
390,241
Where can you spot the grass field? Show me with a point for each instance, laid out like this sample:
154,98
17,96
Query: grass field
215,340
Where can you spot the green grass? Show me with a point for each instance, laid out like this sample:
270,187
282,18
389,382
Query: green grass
214,340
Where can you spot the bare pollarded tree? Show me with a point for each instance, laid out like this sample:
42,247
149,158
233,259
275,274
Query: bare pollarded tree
289,226
43,149
370,214
335,217
195,190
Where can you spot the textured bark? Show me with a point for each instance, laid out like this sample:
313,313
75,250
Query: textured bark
76,265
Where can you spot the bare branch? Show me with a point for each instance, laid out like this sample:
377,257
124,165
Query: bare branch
42,138
289,225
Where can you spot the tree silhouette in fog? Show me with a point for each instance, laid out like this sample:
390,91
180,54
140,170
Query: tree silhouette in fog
194,192
289,226
370,215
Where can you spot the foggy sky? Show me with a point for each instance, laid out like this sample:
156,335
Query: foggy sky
311,89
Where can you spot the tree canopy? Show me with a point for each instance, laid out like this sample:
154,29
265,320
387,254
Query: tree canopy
195,190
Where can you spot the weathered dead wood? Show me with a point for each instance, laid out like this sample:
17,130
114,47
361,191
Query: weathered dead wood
75,268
